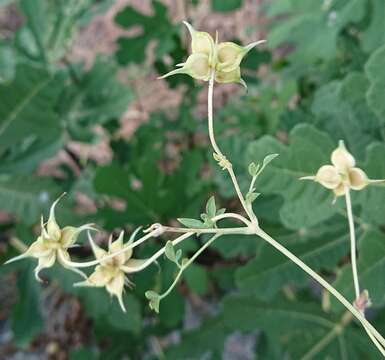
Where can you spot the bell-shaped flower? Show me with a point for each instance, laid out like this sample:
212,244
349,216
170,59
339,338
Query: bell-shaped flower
112,269
208,58
343,174
53,243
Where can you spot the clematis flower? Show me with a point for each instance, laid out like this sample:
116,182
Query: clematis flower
342,174
111,272
53,243
208,58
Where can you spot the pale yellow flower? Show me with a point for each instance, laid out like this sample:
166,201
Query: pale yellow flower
342,174
111,272
53,243
208,57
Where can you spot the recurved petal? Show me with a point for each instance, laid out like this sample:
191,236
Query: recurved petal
134,265
38,248
98,251
63,257
69,234
328,177
118,245
44,262
53,228
115,287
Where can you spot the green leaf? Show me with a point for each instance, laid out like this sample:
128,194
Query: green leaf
305,203
301,328
231,246
27,197
83,354
95,98
130,321
340,107
251,196
371,264
26,319
253,169
154,300
196,279
208,338
7,64
226,5
304,18
169,251
156,27
374,69
27,116
372,198
192,223
270,270
374,35
211,208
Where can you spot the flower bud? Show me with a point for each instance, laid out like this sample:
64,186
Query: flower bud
328,177
342,159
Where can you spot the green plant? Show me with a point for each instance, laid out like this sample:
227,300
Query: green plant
211,62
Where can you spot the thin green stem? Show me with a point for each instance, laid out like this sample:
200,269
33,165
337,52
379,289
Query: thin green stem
198,231
353,257
218,151
324,283
353,247
325,341
187,264
160,252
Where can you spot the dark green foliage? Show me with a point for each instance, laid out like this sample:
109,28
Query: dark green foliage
324,80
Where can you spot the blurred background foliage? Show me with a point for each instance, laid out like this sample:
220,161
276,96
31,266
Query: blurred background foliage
81,111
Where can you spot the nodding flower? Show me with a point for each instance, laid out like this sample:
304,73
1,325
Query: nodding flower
53,243
342,174
111,272
208,57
